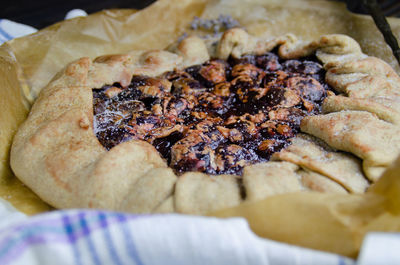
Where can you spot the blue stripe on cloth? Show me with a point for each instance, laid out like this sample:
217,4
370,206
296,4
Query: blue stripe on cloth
2,39
87,231
72,239
5,34
130,245
57,228
342,261
44,233
108,239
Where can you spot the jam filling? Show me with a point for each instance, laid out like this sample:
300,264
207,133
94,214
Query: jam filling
216,117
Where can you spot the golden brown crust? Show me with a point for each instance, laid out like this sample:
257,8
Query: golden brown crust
157,183
271,178
317,182
311,154
198,193
375,141
57,154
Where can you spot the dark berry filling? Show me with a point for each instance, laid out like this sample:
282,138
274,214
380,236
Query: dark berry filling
216,117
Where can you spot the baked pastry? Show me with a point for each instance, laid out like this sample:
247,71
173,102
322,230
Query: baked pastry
205,127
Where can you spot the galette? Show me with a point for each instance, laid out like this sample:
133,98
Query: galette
203,127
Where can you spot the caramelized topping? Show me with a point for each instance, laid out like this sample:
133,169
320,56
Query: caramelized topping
216,117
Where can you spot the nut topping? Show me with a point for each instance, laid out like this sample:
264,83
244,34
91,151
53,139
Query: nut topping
216,117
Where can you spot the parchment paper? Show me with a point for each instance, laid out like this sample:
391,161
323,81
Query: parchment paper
328,222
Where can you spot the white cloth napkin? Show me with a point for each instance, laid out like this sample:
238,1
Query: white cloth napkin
10,30
100,237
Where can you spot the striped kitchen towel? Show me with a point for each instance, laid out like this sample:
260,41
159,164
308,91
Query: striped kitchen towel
101,237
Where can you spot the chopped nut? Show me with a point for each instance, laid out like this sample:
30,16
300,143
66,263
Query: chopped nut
291,98
308,105
208,99
224,131
232,157
142,123
157,109
259,117
266,144
273,78
249,70
256,118
199,115
150,90
231,120
106,118
242,79
308,87
112,91
222,89
259,91
187,86
214,71
192,153
235,135
155,87
269,124
206,124
284,130
165,131
176,74
250,126
243,95
279,114
192,101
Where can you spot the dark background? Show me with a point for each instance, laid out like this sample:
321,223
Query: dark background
42,13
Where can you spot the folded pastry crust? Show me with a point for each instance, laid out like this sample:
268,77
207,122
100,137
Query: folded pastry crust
56,153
